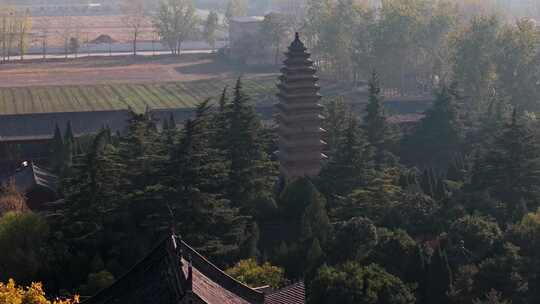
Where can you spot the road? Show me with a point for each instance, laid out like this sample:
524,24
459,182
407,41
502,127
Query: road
104,54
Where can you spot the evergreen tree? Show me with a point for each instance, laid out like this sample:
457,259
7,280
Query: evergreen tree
335,124
375,125
351,165
203,215
352,283
69,147
315,256
510,169
56,154
251,249
93,207
315,221
438,138
69,136
210,28
440,277
251,173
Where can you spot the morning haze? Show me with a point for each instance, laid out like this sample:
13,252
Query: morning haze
269,151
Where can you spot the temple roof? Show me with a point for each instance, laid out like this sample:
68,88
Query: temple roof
30,176
294,294
174,270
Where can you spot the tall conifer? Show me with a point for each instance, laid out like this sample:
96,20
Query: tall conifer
377,130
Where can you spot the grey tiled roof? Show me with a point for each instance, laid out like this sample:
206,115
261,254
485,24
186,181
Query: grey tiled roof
26,178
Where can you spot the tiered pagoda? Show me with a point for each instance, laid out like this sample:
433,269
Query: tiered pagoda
299,115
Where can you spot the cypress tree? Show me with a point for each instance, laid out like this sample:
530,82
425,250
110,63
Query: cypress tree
206,218
69,147
377,130
251,174
351,165
69,136
315,220
56,156
437,140
440,278
510,168
172,122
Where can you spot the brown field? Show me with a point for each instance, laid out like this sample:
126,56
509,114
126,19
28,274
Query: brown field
86,28
125,69
89,84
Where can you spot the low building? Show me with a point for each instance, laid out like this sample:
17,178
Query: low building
27,136
38,185
246,45
175,273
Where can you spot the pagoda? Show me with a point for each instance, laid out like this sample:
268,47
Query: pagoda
299,115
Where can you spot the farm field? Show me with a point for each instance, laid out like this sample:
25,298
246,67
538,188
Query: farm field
109,83
90,84
119,69
139,97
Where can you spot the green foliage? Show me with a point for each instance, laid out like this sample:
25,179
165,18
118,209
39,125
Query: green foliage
296,197
354,239
56,153
350,165
509,169
22,240
351,283
175,22
474,64
378,132
251,173
315,221
251,273
235,8
335,123
391,244
439,278
476,235
96,282
492,297
516,57
437,140
380,195
210,28
273,32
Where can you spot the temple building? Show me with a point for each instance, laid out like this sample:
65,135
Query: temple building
299,115
175,273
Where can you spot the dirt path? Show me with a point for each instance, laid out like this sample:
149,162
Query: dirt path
87,71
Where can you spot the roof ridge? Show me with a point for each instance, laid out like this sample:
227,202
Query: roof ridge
164,244
221,277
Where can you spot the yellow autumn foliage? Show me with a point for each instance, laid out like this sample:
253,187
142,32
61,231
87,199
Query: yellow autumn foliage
10,293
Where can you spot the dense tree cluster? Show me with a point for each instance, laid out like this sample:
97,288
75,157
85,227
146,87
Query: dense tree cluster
444,212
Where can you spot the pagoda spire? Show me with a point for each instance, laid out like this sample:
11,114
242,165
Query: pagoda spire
299,115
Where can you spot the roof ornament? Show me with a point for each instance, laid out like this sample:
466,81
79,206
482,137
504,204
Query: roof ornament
297,44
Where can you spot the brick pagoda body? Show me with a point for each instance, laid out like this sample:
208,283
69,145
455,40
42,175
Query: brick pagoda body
299,115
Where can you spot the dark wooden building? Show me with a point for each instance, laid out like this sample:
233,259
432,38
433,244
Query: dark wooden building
38,185
174,273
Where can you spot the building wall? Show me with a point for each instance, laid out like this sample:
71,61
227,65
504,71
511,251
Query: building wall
245,42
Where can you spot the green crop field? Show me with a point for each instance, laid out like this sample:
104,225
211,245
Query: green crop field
21,100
